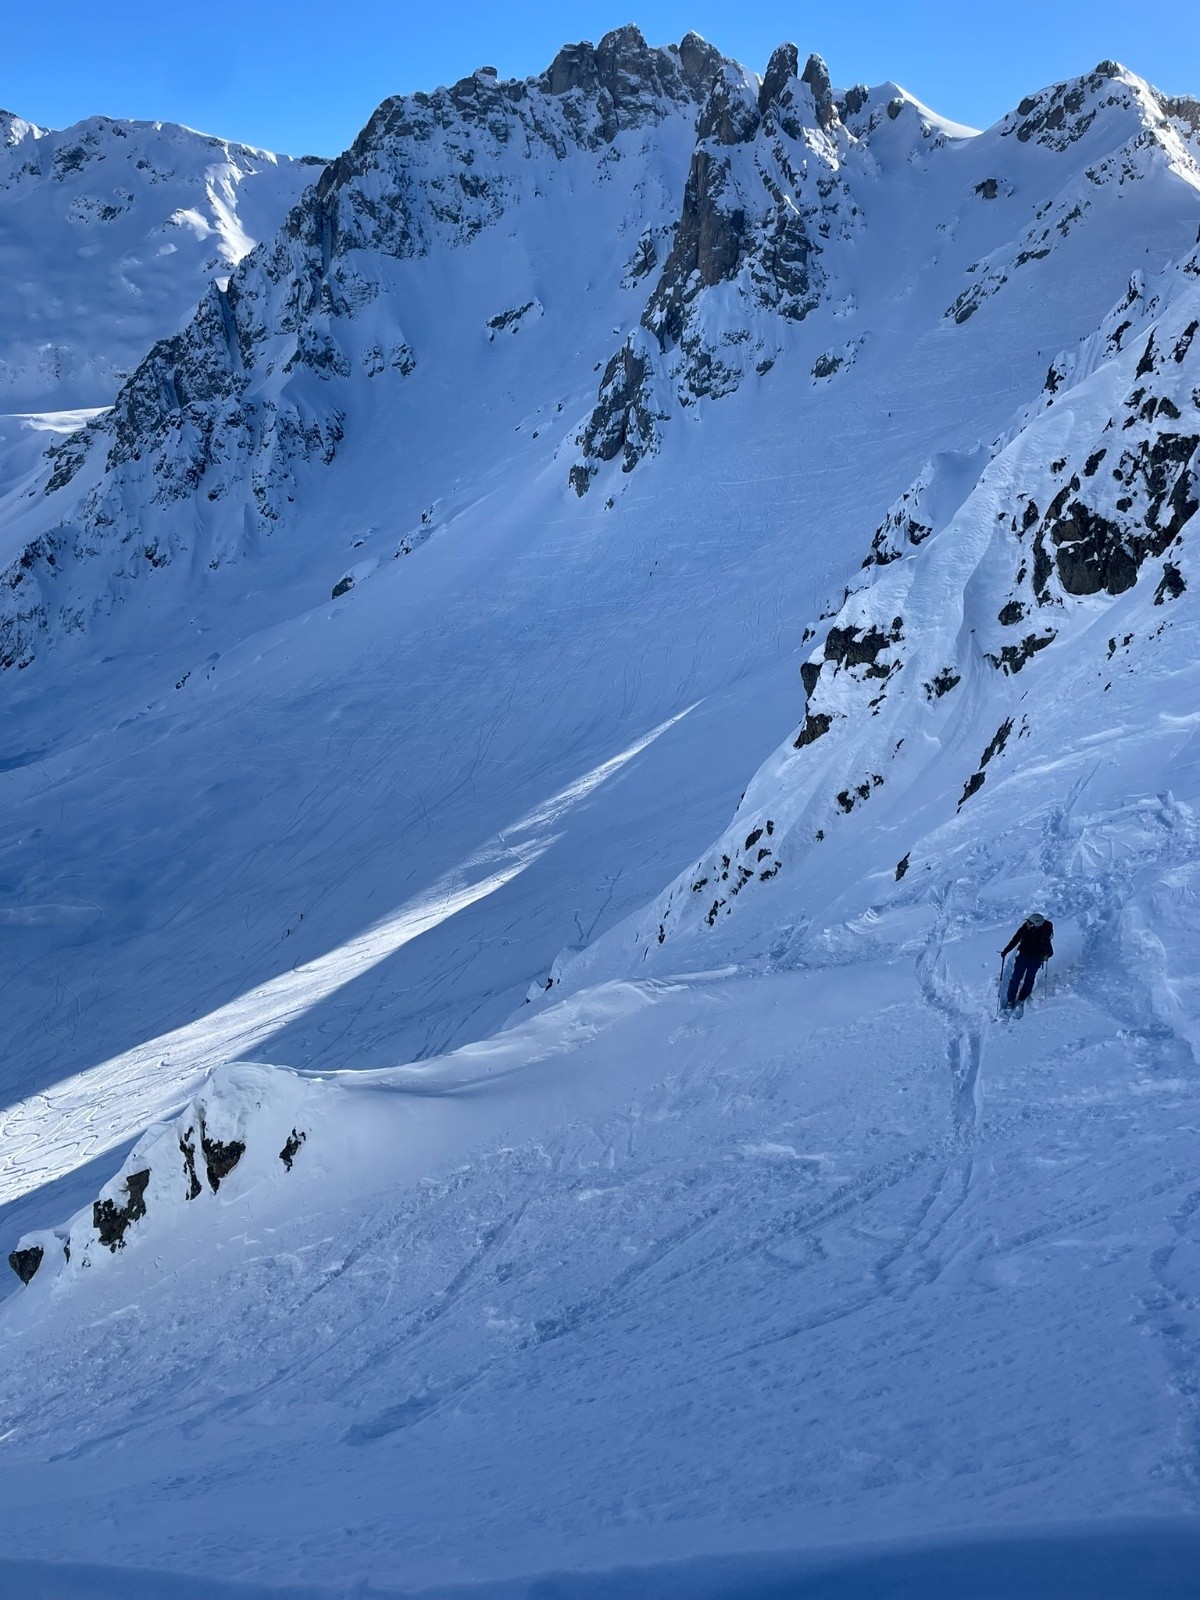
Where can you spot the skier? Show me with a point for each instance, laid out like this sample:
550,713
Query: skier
1033,942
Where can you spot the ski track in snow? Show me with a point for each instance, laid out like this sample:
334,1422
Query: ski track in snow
52,1133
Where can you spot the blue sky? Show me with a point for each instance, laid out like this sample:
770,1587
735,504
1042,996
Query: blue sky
303,77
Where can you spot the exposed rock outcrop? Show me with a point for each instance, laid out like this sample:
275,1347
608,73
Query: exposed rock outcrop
26,1262
764,197
242,1119
111,1220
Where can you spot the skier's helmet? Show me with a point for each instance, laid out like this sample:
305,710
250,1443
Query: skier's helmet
1036,919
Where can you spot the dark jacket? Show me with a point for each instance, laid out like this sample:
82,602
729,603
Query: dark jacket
1035,943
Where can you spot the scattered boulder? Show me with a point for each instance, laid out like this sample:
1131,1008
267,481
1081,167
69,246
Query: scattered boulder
941,683
26,1262
815,724
1014,656
1171,585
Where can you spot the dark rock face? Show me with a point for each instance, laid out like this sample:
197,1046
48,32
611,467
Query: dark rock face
998,741
1092,553
220,1157
1171,585
622,423
758,224
847,799
816,76
111,1221
861,647
1095,551
815,724
187,1149
941,683
1014,656
624,77
972,786
1061,115
969,301
902,528
1181,108
699,62
783,66
712,228
509,321
976,781
26,1262
730,114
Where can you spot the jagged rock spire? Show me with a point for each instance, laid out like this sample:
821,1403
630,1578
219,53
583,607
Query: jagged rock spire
699,62
783,66
730,114
816,76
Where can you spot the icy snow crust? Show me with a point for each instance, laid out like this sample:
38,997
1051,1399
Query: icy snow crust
753,1230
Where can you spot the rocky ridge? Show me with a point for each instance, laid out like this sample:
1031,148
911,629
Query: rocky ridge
236,405
990,573
210,444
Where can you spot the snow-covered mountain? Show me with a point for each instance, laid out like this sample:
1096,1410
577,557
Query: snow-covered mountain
109,232
579,655
484,215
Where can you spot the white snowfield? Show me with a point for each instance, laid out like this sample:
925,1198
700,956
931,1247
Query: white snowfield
441,1151
109,230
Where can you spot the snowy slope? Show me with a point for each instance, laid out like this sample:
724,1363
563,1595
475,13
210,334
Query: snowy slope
866,466
999,602
109,230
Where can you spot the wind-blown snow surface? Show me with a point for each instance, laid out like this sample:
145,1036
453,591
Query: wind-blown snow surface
755,1230
108,232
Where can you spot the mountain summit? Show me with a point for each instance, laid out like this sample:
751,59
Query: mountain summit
109,231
